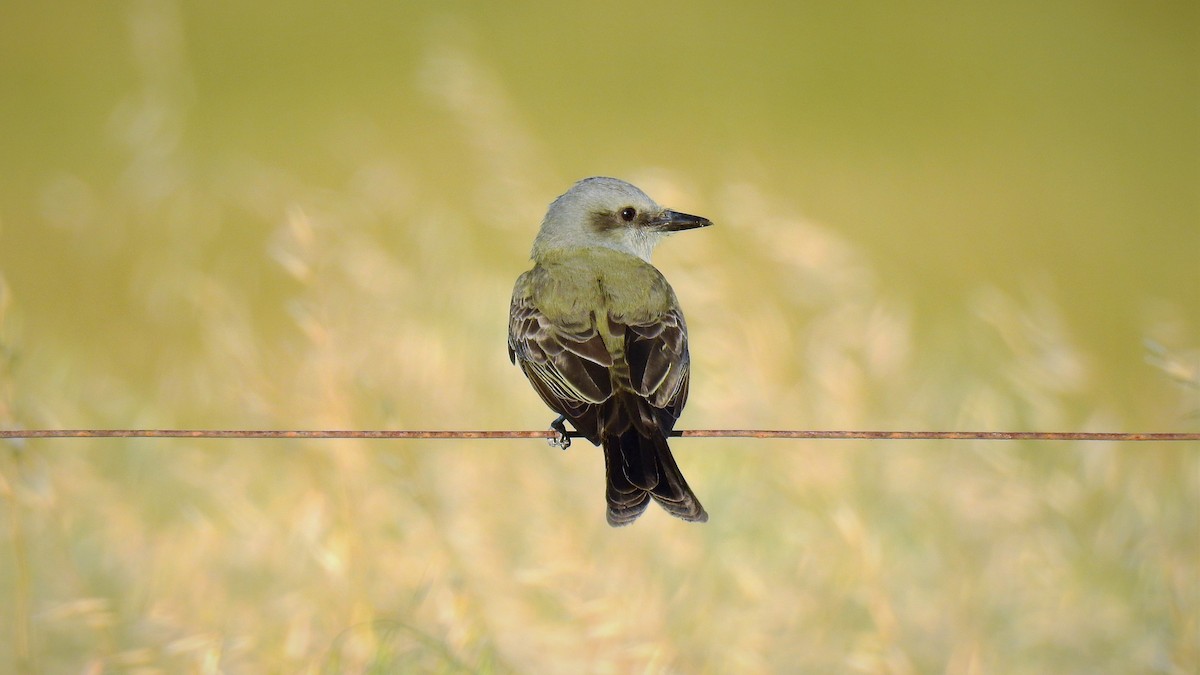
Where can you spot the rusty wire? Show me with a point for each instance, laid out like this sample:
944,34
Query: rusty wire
549,434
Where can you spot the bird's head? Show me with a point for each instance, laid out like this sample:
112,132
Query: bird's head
612,214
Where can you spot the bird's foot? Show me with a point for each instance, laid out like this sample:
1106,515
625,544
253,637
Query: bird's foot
562,440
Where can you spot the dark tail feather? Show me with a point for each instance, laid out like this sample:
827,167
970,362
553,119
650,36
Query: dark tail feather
639,468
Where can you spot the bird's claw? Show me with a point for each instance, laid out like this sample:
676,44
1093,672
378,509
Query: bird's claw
562,441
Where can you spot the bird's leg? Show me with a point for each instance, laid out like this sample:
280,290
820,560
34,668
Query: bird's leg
562,441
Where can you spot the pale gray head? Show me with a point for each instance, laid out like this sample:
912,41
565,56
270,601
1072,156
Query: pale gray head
610,213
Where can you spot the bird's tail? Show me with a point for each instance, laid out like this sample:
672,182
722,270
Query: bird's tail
639,467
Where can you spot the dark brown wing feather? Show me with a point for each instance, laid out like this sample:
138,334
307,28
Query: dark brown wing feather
659,364
568,366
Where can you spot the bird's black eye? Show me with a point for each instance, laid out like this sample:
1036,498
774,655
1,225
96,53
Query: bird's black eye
628,213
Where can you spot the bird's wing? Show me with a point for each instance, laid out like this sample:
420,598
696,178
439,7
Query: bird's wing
567,364
659,364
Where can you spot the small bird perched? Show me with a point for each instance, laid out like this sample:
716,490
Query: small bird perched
598,331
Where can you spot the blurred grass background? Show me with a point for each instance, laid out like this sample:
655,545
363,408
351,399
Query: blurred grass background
290,215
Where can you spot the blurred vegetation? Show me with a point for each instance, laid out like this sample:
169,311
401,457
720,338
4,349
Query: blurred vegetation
269,215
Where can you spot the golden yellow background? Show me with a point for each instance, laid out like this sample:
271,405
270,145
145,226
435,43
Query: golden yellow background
310,215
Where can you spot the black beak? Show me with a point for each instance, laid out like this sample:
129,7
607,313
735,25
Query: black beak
674,221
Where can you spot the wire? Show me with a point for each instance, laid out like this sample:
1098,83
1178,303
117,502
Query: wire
549,434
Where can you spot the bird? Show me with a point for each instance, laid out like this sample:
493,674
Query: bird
599,334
